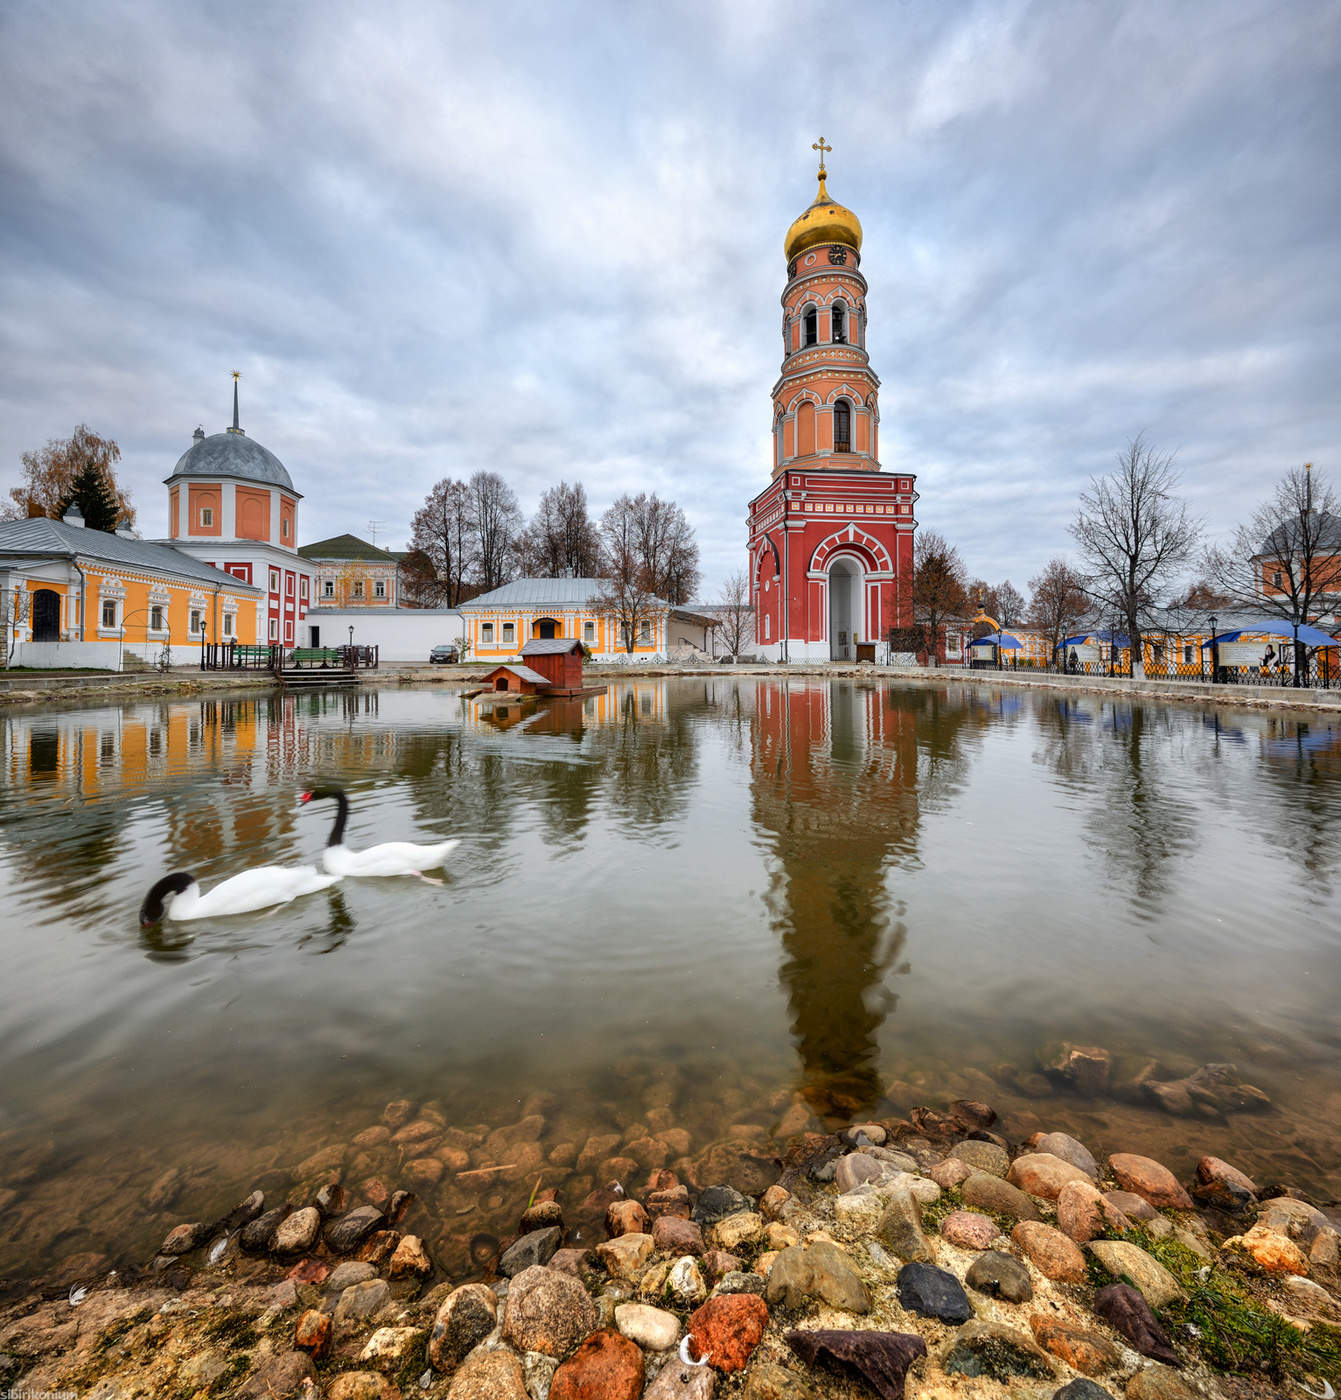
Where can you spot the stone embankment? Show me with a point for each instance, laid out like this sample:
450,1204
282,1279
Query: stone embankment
925,1256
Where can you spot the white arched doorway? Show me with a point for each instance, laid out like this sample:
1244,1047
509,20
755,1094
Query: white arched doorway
845,611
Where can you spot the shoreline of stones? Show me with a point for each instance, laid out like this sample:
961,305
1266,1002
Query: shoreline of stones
920,1257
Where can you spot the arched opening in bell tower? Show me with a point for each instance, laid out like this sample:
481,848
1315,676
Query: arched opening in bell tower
810,322
846,578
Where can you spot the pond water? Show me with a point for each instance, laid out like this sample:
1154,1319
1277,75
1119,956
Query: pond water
700,904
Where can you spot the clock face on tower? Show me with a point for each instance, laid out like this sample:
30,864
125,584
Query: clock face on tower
838,256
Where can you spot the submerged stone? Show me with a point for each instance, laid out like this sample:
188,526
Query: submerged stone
932,1292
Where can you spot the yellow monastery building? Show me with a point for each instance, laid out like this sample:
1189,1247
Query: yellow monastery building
498,624
71,596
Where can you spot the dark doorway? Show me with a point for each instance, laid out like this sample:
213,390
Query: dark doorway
546,629
501,683
46,616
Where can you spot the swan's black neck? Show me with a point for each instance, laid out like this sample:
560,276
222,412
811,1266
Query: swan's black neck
151,911
337,836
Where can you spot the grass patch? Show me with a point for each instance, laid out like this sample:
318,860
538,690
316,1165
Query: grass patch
1230,1329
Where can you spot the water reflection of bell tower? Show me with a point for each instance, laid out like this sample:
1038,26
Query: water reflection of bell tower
834,787
831,538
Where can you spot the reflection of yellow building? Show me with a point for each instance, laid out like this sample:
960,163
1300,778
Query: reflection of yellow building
72,596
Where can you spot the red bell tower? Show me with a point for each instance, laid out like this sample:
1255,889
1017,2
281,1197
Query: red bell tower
831,537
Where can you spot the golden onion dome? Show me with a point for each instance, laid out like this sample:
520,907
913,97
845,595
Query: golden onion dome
824,222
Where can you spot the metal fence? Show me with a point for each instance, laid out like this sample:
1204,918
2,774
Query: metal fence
1315,671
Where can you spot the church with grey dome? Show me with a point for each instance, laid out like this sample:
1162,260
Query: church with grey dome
233,504
232,454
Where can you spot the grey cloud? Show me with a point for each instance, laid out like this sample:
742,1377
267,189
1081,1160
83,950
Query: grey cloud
548,240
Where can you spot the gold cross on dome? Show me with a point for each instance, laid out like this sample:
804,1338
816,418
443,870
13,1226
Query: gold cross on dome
237,374
821,148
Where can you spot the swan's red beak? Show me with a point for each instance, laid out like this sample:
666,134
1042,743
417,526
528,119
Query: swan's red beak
305,797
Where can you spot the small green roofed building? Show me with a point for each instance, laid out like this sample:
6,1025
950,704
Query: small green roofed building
351,573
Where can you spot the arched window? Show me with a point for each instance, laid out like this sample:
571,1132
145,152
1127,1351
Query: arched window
839,323
811,336
842,426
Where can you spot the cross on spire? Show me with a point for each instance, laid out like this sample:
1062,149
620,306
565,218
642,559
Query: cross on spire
821,148
237,374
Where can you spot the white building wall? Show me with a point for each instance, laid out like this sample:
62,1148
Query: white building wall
402,634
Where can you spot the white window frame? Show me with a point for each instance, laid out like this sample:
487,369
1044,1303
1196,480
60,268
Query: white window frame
103,622
288,585
509,633
302,588
274,629
486,634
328,588
197,621
274,580
588,632
230,624
156,617
358,588
379,588
206,517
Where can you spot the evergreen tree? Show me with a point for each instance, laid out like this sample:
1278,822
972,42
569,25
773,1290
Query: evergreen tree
93,494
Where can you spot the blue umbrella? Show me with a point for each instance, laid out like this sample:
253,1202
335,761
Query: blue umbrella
1310,636
997,639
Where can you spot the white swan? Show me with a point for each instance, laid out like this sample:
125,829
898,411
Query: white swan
390,858
177,896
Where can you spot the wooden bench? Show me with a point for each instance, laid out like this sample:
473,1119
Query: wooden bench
314,656
250,656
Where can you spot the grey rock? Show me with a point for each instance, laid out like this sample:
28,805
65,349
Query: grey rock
344,1235
182,1239
933,1292
990,1193
346,1275
259,1234
989,1349
1082,1389
278,1376
537,1247
547,1311
675,1381
900,1161
362,1301
900,1228
298,1231
820,1270
1000,1276
738,1281
982,1156
465,1318
1064,1146
716,1203
854,1169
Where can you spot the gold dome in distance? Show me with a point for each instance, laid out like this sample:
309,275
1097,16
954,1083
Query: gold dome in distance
825,221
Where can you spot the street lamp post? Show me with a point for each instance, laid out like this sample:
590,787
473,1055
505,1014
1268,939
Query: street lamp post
204,644
351,645
1215,661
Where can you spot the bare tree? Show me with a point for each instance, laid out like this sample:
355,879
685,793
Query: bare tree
562,540
628,595
417,583
76,469
1010,607
443,535
659,537
1285,560
1134,535
736,613
15,602
496,519
1059,602
939,587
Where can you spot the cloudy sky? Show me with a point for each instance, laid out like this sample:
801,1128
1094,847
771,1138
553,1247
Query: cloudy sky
547,239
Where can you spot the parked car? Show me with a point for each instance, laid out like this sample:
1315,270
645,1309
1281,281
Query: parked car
444,654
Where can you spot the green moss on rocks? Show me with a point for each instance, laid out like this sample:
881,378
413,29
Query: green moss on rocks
1230,1329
